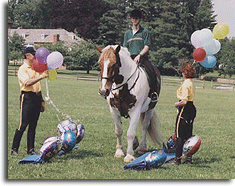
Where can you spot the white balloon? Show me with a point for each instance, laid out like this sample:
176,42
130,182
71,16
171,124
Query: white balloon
216,47
212,47
54,60
206,36
195,39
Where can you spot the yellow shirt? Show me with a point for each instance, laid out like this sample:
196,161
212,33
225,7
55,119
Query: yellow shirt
186,91
25,73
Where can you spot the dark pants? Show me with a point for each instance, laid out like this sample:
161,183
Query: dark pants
151,71
184,126
30,107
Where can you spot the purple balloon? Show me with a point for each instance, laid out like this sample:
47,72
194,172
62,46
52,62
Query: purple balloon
41,54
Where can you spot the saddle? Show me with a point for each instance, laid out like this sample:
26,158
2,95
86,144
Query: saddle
154,80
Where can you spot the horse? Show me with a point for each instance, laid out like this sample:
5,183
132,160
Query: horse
125,86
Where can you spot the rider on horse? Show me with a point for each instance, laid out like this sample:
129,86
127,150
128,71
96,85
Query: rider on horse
138,40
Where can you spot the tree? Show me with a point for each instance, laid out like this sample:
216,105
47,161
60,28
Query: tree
227,58
15,47
84,54
113,23
172,30
82,16
26,13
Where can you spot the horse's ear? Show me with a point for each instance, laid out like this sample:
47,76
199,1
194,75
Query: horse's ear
116,51
99,49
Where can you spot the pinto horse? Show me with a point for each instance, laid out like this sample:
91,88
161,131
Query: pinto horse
125,86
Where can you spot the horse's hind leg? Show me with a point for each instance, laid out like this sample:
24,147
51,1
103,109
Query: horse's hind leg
118,130
145,122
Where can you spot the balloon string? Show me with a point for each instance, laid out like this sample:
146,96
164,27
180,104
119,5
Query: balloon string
194,62
48,99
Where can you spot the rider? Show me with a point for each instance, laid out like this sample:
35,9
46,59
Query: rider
138,41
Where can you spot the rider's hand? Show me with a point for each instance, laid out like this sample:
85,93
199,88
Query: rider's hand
137,59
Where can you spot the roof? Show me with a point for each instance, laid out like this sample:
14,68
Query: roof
41,36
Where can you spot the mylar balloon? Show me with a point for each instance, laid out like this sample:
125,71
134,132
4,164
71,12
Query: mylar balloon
209,62
39,67
68,139
41,54
54,60
199,54
52,75
220,31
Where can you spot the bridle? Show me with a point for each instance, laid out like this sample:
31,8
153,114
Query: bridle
128,80
117,66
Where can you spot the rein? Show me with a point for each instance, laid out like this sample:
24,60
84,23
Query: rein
128,80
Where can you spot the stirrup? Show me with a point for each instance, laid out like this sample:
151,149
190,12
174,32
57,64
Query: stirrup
154,97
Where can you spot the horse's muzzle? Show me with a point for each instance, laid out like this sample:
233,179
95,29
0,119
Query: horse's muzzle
104,92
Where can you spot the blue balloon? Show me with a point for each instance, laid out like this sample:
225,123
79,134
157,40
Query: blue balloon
209,61
68,139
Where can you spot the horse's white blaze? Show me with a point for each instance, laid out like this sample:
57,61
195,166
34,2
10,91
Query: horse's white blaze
105,74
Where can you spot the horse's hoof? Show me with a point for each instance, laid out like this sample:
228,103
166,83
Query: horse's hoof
119,154
129,158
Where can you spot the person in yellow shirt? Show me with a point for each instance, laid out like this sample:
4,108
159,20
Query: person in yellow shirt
187,110
31,101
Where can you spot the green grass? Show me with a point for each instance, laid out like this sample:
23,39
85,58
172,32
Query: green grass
95,157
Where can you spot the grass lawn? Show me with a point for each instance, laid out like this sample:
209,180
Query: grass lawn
95,157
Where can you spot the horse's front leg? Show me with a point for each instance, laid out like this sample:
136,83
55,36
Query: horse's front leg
118,131
134,119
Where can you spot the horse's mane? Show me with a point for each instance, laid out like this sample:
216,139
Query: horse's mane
123,49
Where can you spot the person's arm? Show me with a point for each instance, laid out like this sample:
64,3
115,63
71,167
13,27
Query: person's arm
32,81
180,103
184,97
143,52
125,43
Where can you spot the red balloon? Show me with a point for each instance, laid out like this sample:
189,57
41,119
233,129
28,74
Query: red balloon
39,67
199,54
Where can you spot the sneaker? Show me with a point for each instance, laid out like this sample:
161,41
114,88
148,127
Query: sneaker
32,152
14,152
176,161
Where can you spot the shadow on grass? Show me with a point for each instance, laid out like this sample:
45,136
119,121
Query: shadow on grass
80,154
203,162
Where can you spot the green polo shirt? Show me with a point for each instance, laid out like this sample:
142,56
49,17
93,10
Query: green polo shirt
135,43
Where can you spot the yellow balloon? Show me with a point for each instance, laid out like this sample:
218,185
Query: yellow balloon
220,31
52,75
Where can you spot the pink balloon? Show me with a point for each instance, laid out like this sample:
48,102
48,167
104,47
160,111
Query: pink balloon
54,60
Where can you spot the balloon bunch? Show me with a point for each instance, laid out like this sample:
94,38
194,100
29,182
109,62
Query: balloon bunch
46,60
69,134
207,45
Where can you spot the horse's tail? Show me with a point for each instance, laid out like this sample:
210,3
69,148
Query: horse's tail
154,129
